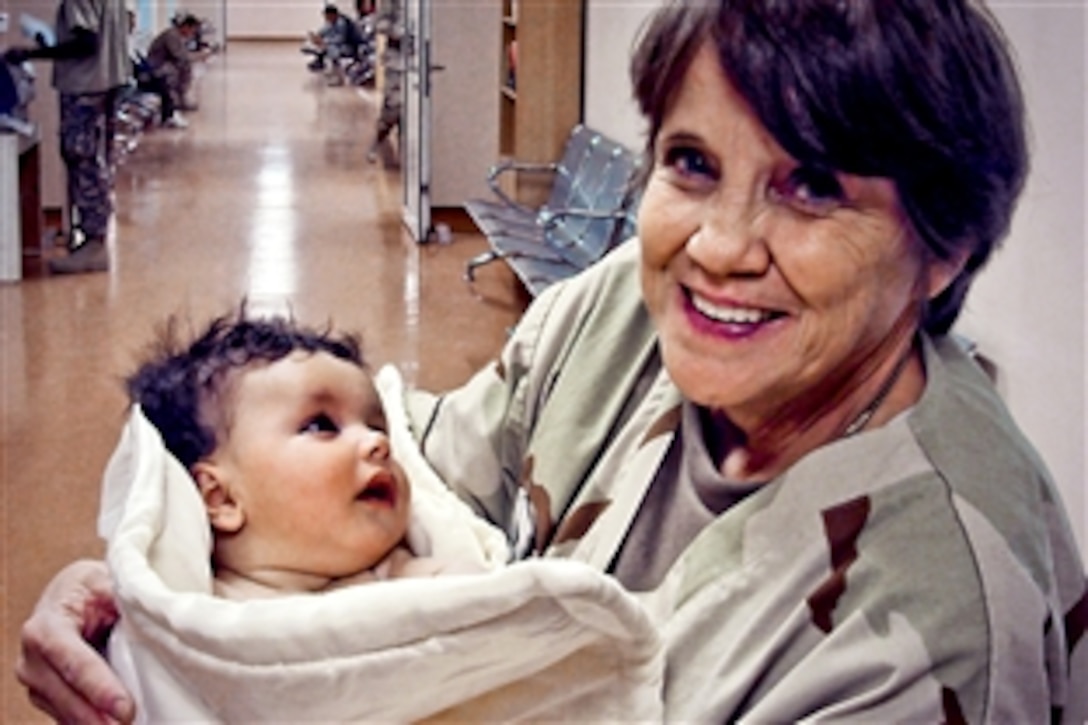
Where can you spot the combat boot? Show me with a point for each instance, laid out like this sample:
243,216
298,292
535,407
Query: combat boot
91,256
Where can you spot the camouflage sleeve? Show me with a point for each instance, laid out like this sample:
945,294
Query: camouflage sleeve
549,404
861,587
475,436
1076,623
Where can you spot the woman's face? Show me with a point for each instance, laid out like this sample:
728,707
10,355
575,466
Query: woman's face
767,279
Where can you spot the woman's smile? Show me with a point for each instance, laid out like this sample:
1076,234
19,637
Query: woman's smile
726,318
768,277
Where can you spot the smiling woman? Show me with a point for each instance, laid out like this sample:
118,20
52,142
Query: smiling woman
755,415
785,294
777,436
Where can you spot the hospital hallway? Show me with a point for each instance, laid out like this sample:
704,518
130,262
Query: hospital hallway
267,196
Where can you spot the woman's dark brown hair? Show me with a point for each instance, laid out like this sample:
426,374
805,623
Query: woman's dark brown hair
923,92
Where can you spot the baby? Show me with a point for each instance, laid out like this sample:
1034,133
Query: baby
284,433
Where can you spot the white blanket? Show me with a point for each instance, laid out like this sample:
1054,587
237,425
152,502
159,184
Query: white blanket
535,640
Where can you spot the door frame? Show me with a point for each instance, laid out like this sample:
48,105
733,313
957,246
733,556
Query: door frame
415,140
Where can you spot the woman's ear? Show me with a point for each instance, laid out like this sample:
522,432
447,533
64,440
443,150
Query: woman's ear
940,273
224,511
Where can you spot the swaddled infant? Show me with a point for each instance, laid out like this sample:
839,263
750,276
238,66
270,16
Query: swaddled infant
296,491
285,435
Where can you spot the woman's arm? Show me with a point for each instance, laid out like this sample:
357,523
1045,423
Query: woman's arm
65,675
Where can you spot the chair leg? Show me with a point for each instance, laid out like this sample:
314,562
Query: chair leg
478,261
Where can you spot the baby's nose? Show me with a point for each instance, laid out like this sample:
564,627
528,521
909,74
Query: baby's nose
374,445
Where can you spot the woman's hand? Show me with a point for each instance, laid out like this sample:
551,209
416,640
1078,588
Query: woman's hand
65,675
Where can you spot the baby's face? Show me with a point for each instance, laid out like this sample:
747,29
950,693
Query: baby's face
309,461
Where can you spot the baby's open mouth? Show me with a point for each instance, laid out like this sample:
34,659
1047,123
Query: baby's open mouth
381,488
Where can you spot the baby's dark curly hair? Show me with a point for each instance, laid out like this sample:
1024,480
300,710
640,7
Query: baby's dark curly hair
184,386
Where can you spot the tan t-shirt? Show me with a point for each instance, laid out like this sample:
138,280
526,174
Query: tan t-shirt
687,494
110,66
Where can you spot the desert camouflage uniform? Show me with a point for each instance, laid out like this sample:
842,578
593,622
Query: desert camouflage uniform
390,23
87,88
87,128
921,571
168,56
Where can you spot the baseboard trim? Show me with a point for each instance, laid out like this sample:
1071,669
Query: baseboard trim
455,217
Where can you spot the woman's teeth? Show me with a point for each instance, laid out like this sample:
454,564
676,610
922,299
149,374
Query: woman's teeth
730,315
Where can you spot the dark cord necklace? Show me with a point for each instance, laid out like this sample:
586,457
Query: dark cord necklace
870,410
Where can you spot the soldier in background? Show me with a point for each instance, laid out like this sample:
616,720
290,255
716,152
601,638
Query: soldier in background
337,40
169,59
90,64
389,23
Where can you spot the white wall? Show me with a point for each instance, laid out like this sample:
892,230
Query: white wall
1028,310
611,26
274,19
465,99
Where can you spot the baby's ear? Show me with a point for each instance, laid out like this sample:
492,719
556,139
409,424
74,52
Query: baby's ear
224,511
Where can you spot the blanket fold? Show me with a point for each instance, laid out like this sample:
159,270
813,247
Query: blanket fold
541,639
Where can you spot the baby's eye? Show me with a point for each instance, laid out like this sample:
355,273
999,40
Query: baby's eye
320,423
688,162
377,422
811,190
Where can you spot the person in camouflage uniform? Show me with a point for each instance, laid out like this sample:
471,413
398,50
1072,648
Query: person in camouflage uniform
922,570
760,420
170,59
90,65
337,42
755,414
389,23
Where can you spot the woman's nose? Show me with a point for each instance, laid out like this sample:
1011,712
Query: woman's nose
374,445
730,238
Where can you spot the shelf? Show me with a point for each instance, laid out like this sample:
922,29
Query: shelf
536,116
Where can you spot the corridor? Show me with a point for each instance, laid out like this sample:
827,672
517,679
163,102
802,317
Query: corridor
266,196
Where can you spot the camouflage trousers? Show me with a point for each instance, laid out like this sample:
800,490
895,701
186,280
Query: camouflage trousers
389,116
87,126
177,78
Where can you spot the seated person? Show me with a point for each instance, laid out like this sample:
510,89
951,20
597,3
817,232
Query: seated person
169,59
147,82
337,39
284,433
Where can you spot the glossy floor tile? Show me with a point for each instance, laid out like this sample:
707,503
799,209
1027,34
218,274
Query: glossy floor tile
267,196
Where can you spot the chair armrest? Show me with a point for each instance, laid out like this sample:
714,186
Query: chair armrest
501,168
548,218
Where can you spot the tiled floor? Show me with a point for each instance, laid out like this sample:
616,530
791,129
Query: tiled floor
267,196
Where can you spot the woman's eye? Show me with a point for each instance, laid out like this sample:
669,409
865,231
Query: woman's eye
688,162
320,423
812,190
